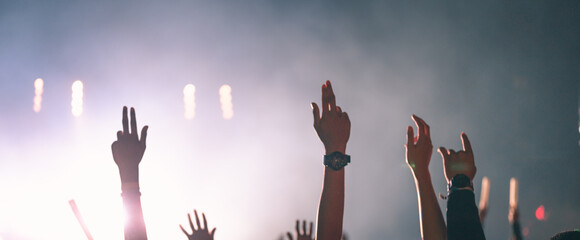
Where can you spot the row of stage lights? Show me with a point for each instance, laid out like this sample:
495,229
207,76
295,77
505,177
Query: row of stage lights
225,93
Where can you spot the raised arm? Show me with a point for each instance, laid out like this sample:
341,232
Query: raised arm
127,152
462,214
333,128
418,154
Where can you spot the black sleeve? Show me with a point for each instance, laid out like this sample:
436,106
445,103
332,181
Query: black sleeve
463,217
517,231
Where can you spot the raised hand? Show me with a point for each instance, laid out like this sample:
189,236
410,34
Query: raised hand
461,162
333,128
128,149
201,233
301,235
419,149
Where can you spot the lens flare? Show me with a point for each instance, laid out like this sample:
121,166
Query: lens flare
38,90
541,213
226,101
189,101
77,98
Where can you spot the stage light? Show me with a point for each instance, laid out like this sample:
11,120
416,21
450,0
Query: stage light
226,101
189,101
38,90
541,213
484,197
77,98
513,193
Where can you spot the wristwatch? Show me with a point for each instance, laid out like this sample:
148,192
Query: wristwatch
459,182
336,160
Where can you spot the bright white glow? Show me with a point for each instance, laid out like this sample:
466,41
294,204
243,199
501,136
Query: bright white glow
226,101
77,98
189,101
38,90
484,197
513,193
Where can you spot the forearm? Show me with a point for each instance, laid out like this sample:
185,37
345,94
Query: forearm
462,217
431,217
331,208
517,231
135,223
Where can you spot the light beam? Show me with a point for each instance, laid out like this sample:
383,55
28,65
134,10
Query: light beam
226,101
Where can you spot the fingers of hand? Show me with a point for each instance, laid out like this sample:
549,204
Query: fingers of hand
197,220
204,220
183,230
325,100
289,235
303,227
424,129
444,153
143,140
297,227
212,231
410,137
133,122
310,233
125,121
190,222
466,143
332,98
316,113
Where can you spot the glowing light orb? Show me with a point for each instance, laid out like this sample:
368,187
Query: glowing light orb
77,98
526,231
189,101
226,101
541,213
38,90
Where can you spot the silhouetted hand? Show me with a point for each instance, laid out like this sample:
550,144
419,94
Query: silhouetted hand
419,149
201,233
301,235
128,149
458,162
333,128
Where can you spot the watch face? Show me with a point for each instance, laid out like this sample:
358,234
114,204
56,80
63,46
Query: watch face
336,160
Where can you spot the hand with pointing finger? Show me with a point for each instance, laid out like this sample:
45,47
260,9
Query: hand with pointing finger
199,233
461,162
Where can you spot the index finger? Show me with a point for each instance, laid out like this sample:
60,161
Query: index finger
466,143
133,122
420,125
125,121
325,99
332,98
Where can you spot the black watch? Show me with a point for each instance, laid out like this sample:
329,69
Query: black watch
336,160
459,182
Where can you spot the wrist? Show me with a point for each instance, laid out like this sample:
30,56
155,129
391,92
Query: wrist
331,149
421,174
129,174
